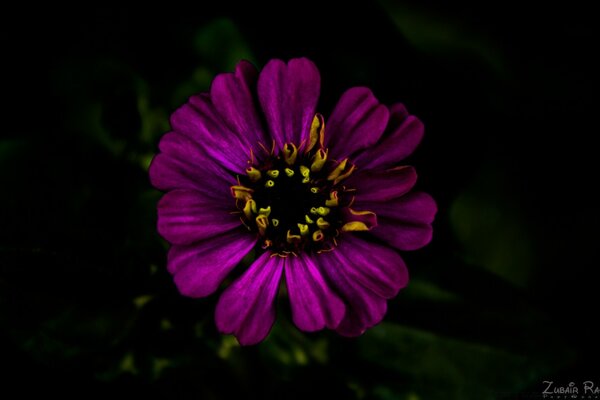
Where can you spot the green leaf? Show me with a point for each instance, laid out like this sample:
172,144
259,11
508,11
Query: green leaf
425,365
488,221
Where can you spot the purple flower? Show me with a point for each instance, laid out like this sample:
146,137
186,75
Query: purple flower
250,165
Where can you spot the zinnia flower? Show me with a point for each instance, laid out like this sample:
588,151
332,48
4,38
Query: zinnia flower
250,165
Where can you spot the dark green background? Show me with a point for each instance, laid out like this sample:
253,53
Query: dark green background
502,299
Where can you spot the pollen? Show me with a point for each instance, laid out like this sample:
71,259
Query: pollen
287,196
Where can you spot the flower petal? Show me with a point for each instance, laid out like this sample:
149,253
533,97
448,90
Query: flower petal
376,267
404,223
398,112
200,121
403,236
364,308
182,164
314,304
402,136
365,275
288,95
200,268
357,122
186,216
232,96
383,185
246,309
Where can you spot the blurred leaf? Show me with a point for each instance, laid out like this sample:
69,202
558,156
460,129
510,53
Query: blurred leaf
100,97
227,344
10,150
198,82
438,34
424,365
222,45
140,301
488,222
76,333
128,364
154,120
420,289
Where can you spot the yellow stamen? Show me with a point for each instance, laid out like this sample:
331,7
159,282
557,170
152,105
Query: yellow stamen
265,211
308,220
317,236
319,161
333,199
289,172
245,224
344,175
264,148
326,250
323,211
273,173
313,210
338,170
322,224
262,222
275,222
253,174
314,190
317,132
355,226
368,219
241,192
250,208
269,184
360,212
304,171
303,229
290,152
293,238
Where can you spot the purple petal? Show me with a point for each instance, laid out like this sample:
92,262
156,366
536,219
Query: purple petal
232,96
314,304
199,120
182,164
246,309
186,217
402,136
364,274
398,113
404,223
376,267
200,268
383,185
364,308
403,236
288,95
357,122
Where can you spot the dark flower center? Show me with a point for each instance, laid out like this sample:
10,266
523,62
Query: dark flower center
296,201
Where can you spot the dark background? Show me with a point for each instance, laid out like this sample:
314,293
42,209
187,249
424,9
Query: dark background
504,297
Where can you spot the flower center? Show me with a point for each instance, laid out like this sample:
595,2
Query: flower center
297,201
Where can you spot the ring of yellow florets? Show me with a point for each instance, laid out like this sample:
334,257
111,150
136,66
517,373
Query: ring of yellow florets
296,200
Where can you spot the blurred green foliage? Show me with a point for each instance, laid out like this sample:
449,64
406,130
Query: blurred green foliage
490,226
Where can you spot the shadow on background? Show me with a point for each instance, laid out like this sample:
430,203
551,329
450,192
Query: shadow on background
501,300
